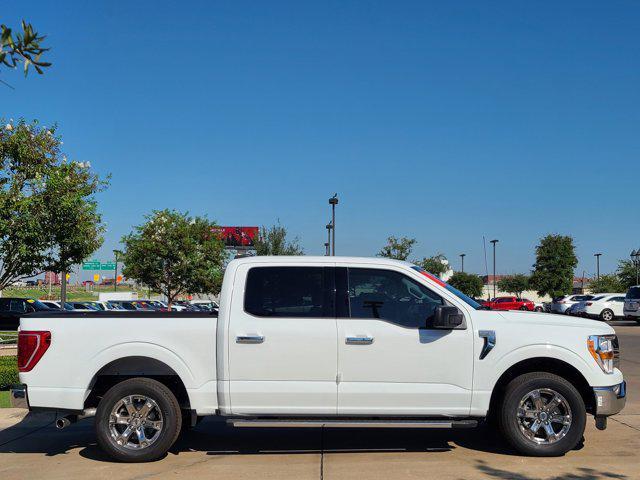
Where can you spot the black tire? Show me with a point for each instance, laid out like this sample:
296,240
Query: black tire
165,404
523,308
510,424
539,309
607,315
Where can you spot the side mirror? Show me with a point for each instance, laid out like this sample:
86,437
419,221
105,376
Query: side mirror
446,318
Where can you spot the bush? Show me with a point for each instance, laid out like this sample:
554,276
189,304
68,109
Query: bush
8,372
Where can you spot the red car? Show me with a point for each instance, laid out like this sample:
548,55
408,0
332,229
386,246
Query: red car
509,303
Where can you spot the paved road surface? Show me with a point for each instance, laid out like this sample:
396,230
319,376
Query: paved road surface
32,448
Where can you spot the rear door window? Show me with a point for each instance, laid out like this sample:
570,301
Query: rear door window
301,292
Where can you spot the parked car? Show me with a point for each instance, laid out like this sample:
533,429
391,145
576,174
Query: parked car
632,304
539,307
509,303
31,283
54,304
207,305
326,342
606,306
88,283
560,304
104,306
12,308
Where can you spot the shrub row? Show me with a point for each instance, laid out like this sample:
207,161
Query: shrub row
8,372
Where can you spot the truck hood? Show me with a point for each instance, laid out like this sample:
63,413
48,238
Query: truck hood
543,319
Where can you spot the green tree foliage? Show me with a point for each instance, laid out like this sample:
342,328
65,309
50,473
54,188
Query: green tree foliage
273,241
24,47
397,248
174,254
626,273
555,263
438,264
515,284
607,284
48,212
468,283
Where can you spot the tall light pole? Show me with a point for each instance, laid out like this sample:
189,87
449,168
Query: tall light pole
597,255
115,277
333,201
462,255
328,242
635,259
494,266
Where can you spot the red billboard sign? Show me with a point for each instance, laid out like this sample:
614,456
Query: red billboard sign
237,237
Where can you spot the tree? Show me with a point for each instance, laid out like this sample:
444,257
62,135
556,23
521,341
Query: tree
468,283
555,263
438,264
174,254
397,248
25,47
609,283
48,212
627,275
515,284
273,241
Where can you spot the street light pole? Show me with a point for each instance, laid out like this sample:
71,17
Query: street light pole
462,255
494,266
328,242
597,255
635,260
333,201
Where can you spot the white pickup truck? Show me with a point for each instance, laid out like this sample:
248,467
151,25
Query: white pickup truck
323,341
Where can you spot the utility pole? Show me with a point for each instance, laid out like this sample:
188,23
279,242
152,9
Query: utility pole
494,267
333,201
597,255
115,277
462,255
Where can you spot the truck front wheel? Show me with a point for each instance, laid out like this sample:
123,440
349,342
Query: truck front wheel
138,420
542,415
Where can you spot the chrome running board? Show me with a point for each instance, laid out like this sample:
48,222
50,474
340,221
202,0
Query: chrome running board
349,423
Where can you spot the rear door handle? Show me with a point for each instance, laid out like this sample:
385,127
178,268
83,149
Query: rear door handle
249,339
359,340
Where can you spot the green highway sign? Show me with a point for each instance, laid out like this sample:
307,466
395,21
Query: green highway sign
91,265
108,266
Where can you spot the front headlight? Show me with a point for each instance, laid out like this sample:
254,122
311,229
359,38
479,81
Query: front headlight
604,350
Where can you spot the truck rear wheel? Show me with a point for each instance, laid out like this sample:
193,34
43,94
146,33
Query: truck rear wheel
542,415
138,420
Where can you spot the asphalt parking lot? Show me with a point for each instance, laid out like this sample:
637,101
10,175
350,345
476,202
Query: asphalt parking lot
31,447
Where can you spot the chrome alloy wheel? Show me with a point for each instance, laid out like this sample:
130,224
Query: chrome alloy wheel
135,422
544,416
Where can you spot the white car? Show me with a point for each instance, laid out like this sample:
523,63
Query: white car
323,342
210,305
606,306
561,304
632,303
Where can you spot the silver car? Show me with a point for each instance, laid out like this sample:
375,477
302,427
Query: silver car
561,304
632,304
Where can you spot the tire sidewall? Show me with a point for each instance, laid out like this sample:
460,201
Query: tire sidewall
172,419
508,419
602,314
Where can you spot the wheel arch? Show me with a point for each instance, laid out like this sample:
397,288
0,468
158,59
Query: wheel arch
134,366
543,364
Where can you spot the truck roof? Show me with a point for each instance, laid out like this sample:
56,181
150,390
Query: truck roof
293,259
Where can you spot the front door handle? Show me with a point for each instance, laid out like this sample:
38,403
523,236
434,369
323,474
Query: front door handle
249,339
359,340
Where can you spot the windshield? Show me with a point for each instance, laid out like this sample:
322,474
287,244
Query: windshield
38,305
633,293
465,298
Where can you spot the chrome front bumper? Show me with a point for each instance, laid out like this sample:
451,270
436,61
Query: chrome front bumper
18,396
610,400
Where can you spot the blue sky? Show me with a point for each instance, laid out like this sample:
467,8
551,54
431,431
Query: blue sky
443,121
